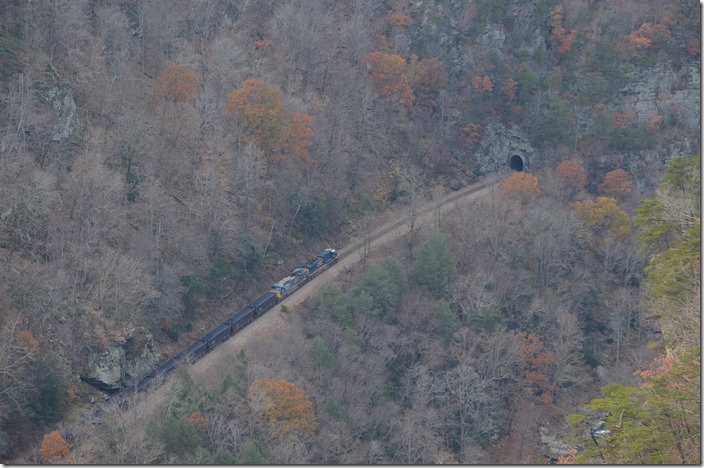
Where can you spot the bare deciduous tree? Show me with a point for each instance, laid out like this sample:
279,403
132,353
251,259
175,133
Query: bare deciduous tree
123,287
123,436
468,406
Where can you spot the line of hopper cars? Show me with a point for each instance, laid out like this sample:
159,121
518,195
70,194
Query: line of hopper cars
232,325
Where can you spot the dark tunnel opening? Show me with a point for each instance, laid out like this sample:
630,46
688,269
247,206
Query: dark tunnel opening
516,163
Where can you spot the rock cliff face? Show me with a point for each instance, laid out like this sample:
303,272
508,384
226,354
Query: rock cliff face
123,362
497,145
668,91
107,370
141,357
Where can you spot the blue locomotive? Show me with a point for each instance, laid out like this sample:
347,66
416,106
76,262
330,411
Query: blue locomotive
303,274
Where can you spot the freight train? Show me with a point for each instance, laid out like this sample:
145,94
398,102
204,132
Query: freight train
206,343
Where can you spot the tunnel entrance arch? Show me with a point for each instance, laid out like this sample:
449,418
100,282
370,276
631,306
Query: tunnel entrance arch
517,163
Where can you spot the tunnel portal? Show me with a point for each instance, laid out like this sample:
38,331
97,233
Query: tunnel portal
516,163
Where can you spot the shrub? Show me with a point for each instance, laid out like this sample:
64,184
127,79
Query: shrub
179,436
312,220
54,448
193,294
48,401
321,355
221,269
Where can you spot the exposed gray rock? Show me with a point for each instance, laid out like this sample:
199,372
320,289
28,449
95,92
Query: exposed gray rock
601,372
666,91
61,99
142,358
496,147
553,446
123,362
107,370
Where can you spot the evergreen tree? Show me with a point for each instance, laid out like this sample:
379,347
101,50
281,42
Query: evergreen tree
447,321
384,283
435,267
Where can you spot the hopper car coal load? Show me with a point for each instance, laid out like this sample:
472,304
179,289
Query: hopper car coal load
216,336
240,319
263,303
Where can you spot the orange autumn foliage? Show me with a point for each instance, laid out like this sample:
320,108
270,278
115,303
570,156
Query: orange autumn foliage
615,183
300,138
487,84
572,174
654,122
400,20
426,77
269,124
510,88
570,459
198,421
262,44
694,46
482,84
283,403
521,186
471,134
660,367
54,448
537,363
624,118
387,73
559,37
262,107
645,36
28,341
177,84
395,78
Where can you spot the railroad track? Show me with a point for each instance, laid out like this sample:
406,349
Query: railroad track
420,214
87,425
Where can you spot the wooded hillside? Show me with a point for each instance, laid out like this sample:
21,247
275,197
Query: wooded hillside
161,162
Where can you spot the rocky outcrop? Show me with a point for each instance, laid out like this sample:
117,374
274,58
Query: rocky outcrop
61,99
107,370
142,358
438,25
497,145
666,91
554,447
125,360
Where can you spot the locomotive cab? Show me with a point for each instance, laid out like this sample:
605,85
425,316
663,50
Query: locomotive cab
278,290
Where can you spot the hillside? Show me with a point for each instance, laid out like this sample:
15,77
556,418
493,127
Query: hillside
161,161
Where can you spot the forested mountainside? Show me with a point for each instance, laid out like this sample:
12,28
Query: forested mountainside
164,161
